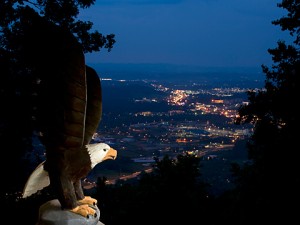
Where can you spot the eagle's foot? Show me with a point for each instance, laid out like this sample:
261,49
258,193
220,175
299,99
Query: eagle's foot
84,210
88,200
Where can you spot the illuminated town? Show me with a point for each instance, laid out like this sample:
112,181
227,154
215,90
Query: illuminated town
189,124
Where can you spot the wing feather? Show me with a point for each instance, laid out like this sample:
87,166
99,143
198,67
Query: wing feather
63,98
94,104
70,97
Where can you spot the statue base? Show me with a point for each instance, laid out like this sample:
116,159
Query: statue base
50,213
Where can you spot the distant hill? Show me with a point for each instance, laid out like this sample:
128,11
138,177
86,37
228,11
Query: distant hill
178,72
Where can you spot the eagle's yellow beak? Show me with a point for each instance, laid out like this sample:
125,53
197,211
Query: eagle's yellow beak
111,154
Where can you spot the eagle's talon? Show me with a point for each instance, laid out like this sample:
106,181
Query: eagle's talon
84,210
88,200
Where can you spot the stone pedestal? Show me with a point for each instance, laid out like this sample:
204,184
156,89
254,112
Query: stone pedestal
50,213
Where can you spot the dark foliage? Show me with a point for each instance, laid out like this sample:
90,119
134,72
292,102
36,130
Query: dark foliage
268,186
26,211
173,193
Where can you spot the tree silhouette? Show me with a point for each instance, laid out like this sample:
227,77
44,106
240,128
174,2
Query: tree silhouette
172,193
271,180
60,12
31,33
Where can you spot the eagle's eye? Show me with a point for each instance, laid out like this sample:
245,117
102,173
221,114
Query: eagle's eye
104,149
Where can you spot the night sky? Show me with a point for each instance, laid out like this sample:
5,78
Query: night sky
213,33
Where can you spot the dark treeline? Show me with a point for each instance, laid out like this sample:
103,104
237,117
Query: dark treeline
266,188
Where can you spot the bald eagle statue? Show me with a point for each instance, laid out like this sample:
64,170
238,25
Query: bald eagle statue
68,112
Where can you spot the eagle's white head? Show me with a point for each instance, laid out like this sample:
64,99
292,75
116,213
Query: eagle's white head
100,152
